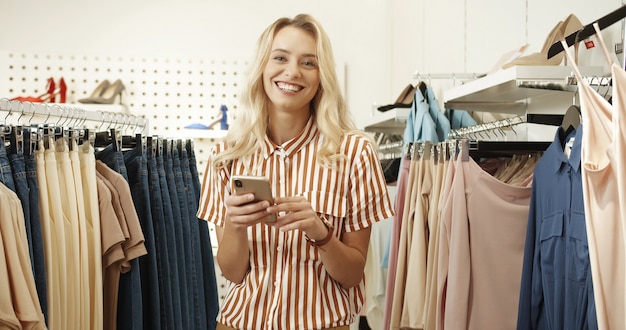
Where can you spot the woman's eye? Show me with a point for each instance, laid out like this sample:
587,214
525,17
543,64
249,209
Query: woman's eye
309,64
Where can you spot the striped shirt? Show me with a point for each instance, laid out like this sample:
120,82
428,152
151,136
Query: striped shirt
288,286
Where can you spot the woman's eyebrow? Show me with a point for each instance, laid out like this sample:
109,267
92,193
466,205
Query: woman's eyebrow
288,52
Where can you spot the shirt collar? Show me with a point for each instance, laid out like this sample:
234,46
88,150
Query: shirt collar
308,133
555,150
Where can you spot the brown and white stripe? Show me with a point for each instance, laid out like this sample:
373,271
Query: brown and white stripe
288,286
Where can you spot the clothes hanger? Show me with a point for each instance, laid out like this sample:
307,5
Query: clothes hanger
572,117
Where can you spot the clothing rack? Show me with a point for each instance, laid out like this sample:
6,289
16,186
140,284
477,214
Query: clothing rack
68,114
593,80
498,125
588,30
453,76
486,148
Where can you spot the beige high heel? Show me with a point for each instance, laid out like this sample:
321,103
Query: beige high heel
570,25
109,94
562,29
541,57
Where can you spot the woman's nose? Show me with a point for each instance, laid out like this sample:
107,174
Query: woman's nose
292,70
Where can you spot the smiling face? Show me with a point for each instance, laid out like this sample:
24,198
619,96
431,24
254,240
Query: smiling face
291,76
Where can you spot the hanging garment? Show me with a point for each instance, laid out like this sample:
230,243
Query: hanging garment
87,161
19,303
459,118
557,290
52,221
601,191
480,256
113,254
420,126
390,260
411,273
375,279
133,245
437,197
442,124
24,176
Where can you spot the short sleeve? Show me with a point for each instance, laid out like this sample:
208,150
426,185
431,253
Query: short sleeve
369,200
213,190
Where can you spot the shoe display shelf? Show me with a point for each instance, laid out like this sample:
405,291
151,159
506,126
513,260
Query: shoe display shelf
389,122
512,90
195,133
115,108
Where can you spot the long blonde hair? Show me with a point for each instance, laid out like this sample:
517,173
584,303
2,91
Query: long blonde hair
328,107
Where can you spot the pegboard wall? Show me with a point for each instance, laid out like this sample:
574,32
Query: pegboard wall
170,92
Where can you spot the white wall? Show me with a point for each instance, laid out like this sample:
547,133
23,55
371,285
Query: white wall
382,42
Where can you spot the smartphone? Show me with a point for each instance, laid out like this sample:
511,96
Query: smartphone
259,185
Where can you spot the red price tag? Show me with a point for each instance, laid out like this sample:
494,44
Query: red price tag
589,44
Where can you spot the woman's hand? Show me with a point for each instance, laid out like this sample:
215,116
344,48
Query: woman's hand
344,257
242,212
297,213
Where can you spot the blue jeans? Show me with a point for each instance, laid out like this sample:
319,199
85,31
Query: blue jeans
137,167
209,282
6,175
129,307
176,246
25,175
168,281
194,268
182,252
113,159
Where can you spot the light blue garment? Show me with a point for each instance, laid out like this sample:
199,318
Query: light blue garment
442,124
459,118
420,126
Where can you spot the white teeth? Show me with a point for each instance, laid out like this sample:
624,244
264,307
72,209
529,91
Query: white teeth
288,87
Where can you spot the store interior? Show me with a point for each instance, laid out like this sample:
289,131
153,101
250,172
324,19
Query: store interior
175,69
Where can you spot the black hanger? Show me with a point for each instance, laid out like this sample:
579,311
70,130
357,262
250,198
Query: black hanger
422,87
16,138
587,31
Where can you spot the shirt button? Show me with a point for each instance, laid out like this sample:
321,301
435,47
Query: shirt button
279,249
275,283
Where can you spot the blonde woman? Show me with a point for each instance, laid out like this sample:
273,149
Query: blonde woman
305,269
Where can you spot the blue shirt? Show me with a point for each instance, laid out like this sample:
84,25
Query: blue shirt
459,118
556,290
442,124
420,126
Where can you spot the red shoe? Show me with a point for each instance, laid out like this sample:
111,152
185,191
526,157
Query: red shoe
48,95
62,90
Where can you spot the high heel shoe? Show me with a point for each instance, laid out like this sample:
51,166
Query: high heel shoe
404,100
570,25
50,94
541,57
96,92
221,119
62,92
108,95
562,29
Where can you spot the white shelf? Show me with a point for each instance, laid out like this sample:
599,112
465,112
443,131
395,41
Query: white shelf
506,91
194,133
391,121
